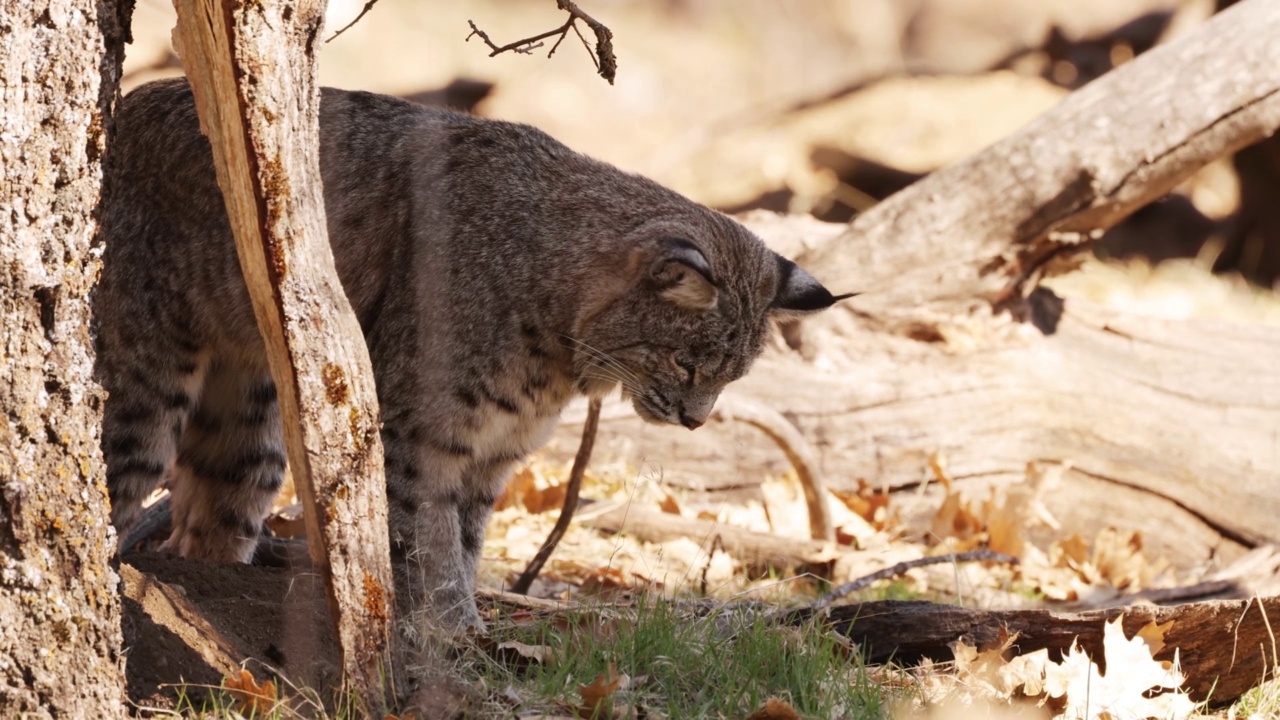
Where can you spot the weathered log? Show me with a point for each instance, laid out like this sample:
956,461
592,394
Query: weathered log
1225,647
252,67
978,230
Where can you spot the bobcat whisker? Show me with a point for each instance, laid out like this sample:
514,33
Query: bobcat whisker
607,359
597,372
604,357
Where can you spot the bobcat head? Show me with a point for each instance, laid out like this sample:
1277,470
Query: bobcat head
689,312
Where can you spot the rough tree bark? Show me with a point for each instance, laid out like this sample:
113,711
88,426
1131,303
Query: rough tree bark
1168,426
252,66
59,612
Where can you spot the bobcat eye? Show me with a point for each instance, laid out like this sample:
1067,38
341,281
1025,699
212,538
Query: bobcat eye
688,367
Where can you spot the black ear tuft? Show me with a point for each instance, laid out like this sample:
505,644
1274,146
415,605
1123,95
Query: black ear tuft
799,293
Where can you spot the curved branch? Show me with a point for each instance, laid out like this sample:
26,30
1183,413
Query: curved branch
798,451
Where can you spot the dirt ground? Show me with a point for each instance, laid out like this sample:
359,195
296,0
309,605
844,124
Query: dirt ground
193,623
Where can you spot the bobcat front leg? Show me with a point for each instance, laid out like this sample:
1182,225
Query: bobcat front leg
430,530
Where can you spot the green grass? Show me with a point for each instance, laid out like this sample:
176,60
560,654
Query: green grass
681,663
723,664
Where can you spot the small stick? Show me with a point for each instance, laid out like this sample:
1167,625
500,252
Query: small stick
363,11
530,573
895,570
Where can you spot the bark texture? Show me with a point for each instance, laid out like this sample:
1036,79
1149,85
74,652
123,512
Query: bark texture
59,611
252,66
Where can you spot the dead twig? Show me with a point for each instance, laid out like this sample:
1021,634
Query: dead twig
363,11
840,591
605,61
580,461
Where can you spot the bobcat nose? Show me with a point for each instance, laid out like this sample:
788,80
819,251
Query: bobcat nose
690,422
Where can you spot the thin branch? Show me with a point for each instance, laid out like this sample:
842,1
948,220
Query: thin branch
605,61
895,570
363,11
580,461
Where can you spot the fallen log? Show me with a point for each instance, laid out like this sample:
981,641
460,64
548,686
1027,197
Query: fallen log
984,228
1225,647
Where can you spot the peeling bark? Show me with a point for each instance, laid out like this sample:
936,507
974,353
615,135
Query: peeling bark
252,67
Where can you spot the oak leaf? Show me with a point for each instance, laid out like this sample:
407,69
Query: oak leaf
597,697
775,709
250,697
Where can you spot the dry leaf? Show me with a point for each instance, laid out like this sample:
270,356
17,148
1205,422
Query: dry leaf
983,668
1153,635
288,522
597,698
521,483
1070,553
775,709
521,654
955,519
250,697
937,465
669,505
1118,557
1123,693
869,504
1006,516
539,500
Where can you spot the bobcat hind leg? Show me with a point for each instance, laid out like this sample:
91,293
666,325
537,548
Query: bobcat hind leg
230,466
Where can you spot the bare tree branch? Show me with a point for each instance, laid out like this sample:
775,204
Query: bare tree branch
605,61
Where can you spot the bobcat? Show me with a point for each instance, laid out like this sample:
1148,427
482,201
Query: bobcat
495,273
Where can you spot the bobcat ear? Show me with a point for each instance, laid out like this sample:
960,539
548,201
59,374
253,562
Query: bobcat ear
682,275
799,293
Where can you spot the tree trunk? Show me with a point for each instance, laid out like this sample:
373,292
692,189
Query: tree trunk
252,68
59,611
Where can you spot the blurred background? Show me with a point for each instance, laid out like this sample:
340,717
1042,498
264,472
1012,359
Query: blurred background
807,106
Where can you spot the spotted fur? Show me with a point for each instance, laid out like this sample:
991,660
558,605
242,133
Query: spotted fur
496,275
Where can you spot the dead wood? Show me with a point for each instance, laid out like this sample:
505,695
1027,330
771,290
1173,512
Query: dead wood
839,592
731,407
603,57
573,487
1225,647
754,549
253,70
980,229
